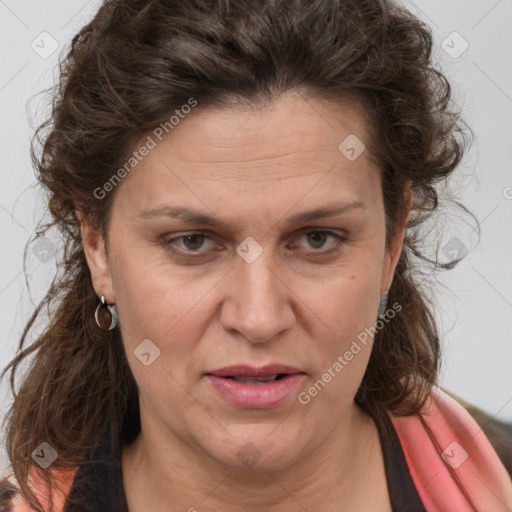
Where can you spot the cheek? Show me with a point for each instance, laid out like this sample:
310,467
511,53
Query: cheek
156,320
349,304
150,296
348,310
155,302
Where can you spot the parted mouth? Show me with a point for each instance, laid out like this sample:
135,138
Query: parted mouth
268,372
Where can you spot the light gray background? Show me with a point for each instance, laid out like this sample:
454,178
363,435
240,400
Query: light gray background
475,303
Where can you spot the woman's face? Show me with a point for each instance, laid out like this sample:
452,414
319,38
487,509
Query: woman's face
251,286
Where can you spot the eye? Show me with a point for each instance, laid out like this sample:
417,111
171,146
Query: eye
191,241
317,238
190,244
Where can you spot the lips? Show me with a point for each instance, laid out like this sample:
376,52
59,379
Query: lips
265,373
257,380
255,388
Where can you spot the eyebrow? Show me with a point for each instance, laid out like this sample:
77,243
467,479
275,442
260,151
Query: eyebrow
196,217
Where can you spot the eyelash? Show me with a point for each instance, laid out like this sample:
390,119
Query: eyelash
167,243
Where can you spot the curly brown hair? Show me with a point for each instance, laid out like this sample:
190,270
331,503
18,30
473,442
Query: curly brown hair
125,72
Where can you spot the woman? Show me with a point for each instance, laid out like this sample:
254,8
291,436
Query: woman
238,323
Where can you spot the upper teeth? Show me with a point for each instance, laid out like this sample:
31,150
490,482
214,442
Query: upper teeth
255,380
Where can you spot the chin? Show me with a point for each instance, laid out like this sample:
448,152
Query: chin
254,449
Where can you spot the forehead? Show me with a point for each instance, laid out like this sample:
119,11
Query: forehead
292,125
290,148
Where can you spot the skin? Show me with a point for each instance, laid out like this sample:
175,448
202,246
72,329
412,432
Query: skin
252,169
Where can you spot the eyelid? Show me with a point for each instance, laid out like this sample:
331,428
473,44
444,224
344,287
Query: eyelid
340,238
168,241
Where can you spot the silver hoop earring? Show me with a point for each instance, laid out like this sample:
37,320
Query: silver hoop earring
383,304
105,315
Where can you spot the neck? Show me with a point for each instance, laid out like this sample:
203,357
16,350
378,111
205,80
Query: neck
160,471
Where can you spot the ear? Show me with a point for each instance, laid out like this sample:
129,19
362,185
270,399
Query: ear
393,255
97,260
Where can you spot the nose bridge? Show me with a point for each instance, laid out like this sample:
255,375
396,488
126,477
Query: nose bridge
258,296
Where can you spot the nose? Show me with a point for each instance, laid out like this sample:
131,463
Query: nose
258,304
